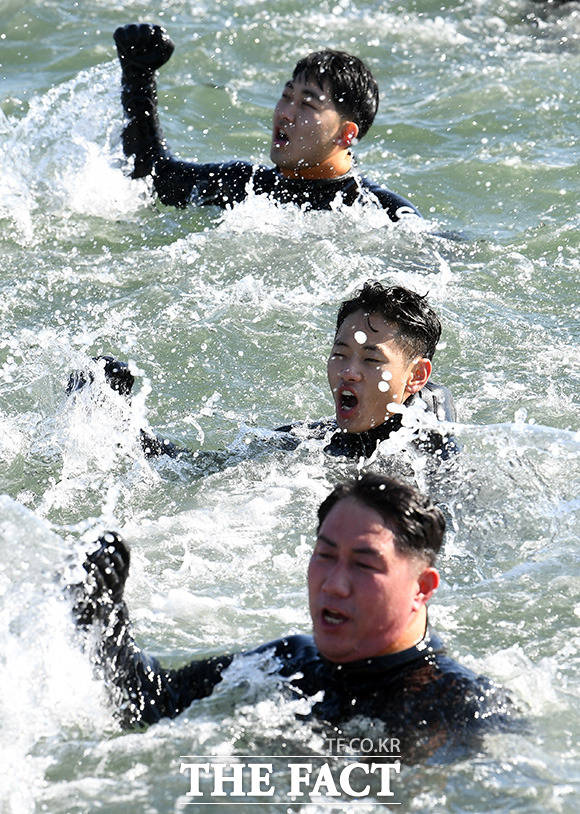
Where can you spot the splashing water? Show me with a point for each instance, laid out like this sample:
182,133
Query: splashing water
227,319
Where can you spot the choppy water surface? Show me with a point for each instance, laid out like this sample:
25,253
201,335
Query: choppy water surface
227,317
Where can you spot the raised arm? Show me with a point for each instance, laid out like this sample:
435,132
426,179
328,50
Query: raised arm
141,690
142,49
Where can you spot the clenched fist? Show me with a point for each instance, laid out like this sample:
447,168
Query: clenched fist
142,46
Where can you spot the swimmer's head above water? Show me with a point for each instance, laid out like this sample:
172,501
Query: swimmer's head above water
381,356
384,342
330,101
372,570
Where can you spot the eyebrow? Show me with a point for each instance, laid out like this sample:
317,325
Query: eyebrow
310,92
374,348
360,550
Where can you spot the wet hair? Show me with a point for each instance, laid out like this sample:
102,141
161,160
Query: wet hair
418,524
417,324
353,89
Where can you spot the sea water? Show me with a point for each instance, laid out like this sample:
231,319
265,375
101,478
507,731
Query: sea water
226,319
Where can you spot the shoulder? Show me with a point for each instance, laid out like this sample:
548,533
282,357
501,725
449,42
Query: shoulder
441,706
395,205
438,400
291,649
239,167
235,172
308,429
470,700
178,183
292,435
460,692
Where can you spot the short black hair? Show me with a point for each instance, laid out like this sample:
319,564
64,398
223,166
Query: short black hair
418,524
417,323
353,88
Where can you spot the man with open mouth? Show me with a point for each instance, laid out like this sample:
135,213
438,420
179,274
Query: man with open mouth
379,373
329,103
379,369
371,655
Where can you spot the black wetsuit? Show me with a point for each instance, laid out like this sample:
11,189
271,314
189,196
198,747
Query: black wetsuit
436,399
419,695
179,183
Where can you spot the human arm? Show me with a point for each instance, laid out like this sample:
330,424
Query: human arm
142,49
107,371
142,691
120,379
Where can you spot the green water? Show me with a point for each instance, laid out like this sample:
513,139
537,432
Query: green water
227,317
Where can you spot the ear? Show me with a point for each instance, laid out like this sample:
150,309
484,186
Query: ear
428,581
419,375
348,133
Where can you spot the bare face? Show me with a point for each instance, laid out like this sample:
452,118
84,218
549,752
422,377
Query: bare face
366,599
368,371
306,126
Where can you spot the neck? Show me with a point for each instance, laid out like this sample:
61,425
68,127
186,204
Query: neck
333,167
391,422
412,634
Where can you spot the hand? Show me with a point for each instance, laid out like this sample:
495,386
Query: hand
107,571
117,374
143,47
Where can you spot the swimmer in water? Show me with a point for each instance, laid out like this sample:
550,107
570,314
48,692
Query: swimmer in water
372,652
328,104
379,367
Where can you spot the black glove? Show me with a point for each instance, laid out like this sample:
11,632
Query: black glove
142,48
108,567
107,571
117,374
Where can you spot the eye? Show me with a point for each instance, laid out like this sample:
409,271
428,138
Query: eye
336,355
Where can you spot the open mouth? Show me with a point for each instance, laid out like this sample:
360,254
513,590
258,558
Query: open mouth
280,137
347,401
333,617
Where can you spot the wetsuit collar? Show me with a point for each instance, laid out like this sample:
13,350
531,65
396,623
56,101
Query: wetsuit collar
429,645
308,182
362,444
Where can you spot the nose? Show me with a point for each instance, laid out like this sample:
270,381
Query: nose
351,371
337,581
286,110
